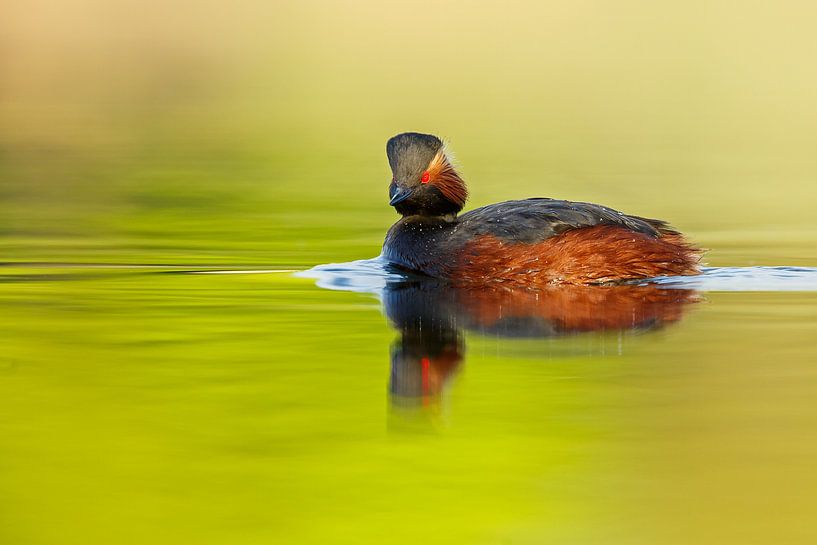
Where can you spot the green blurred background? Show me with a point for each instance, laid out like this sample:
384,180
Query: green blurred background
254,132
138,407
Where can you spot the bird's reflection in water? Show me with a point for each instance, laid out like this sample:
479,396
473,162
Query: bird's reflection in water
433,317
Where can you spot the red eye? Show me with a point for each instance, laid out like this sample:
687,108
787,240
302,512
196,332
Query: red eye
424,179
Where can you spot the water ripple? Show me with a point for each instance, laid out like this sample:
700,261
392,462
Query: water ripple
373,275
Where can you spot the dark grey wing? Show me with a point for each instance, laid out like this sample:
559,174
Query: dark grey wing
534,220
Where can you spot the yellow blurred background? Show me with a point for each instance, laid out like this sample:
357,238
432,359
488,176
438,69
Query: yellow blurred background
702,113
182,409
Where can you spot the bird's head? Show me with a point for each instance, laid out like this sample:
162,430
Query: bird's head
424,182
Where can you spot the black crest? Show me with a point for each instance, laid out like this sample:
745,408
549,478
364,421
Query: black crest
410,153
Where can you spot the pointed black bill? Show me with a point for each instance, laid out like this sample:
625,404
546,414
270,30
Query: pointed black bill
398,195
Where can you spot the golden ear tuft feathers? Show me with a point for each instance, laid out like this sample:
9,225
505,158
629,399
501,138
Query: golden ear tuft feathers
444,177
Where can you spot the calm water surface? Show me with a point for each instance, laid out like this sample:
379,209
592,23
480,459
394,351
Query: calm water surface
146,400
174,405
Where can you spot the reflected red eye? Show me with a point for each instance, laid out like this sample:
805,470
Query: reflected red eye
424,179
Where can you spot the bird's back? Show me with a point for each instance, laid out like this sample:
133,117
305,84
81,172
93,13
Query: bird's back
536,242
534,220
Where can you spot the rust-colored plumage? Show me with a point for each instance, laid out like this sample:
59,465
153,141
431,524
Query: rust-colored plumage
592,255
